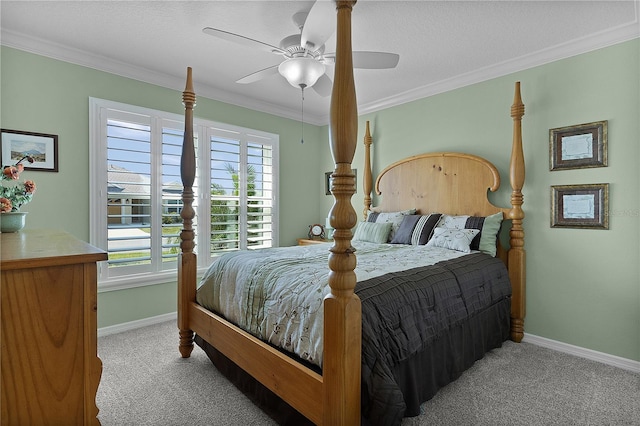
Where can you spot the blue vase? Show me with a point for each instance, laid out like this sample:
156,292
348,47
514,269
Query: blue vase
12,221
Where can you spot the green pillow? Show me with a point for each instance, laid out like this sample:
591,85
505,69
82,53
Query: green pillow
489,235
372,232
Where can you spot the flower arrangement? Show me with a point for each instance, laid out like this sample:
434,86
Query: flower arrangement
15,196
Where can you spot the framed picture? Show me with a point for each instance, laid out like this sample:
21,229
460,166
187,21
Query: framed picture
327,181
42,147
578,147
580,206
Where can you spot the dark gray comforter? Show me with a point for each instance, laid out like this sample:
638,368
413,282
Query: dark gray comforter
448,315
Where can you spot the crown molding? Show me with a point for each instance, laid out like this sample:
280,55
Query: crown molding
87,59
565,50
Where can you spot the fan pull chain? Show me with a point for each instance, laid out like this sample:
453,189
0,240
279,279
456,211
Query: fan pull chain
302,86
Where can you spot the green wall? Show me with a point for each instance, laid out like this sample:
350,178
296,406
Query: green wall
43,95
583,286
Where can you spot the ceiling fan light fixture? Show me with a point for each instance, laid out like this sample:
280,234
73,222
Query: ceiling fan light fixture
301,72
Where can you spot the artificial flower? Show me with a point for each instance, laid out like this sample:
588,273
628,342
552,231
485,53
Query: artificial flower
14,196
5,205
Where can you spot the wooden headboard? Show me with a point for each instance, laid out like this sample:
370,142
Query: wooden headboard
445,182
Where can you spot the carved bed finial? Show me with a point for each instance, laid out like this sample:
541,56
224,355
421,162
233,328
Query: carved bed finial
187,166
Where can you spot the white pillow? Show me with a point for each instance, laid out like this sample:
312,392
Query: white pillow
449,221
453,239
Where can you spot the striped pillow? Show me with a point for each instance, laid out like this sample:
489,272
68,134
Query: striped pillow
416,229
372,232
424,229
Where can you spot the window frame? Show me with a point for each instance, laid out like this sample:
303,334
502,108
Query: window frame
100,110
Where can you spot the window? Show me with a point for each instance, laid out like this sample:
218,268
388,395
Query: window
136,191
241,187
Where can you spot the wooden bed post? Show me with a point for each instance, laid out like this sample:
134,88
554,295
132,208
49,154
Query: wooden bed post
342,308
367,183
516,265
187,262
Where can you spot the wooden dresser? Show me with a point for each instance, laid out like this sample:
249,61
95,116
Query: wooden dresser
50,365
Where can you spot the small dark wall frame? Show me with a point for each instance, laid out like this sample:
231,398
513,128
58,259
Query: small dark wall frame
578,147
580,206
43,147
327,181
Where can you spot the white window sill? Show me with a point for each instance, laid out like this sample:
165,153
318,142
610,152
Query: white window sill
141,280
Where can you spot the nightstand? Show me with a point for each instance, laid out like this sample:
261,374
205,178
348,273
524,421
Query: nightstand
310,241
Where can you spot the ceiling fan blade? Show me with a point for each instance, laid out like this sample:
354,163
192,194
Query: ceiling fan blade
323,86
367,60
246,41
375,60
319,25
259,75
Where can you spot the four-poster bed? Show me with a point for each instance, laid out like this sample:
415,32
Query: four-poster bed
449,183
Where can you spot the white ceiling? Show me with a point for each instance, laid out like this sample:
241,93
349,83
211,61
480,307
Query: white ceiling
442,44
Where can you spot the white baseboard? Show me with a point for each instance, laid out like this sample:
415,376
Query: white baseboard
616,361
131,325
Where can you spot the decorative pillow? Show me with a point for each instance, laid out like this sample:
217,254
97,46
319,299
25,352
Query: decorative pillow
424,229
372,232
405,230
395,218
449,221
453,239
489,234
488,226
415,229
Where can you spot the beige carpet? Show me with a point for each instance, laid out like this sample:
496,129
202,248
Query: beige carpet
145,382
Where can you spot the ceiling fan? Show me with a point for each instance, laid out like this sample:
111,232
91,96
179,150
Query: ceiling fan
304,53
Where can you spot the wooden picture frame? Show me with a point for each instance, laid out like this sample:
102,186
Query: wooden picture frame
15,144
578,147
580,206
327,181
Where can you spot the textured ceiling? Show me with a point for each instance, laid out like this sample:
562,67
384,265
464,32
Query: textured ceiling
442,44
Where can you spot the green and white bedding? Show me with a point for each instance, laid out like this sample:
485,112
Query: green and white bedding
276,294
